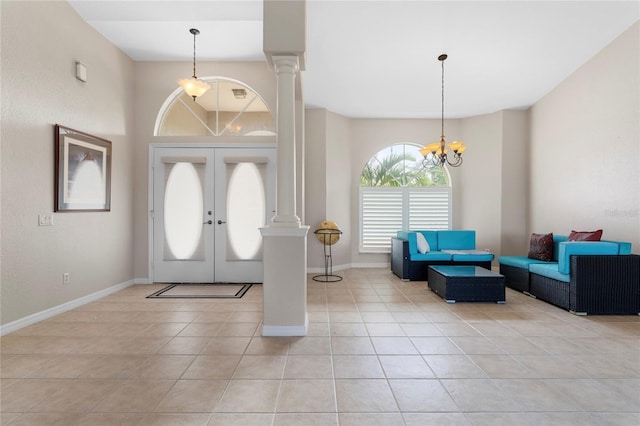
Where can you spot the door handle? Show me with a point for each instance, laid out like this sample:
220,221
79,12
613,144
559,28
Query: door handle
209,222
220,222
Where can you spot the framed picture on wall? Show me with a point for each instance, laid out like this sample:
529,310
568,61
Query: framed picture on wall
82,171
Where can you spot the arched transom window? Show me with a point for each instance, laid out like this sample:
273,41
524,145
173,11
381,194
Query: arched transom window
398,193
229,108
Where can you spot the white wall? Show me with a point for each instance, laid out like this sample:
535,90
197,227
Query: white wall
585,147
41,41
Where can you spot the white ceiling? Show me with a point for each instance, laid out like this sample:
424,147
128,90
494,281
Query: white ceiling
378,59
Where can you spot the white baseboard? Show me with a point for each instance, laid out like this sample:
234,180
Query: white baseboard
57,310
286,330
349,266
371,265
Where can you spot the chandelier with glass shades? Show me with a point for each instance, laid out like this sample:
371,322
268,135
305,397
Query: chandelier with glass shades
435,154
193,86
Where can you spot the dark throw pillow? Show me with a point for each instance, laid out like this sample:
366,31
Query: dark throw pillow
585,235
541,247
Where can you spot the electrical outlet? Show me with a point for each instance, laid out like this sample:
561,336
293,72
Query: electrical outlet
45,220
66,278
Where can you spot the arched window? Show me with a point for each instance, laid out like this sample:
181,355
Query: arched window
229,108
398,193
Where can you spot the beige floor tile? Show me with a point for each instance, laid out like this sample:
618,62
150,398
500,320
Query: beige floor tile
111,419
348,329
21,366
201,329
536,395
357,367
233,419
606,394
308,367
499,419
393,346
385,329
48,419
377,316
175,420
260,367
555,367
351,316
74,396
306,419
454,367
477,345
250,396
212,367
268,346
352,346
364,396
405,367
552,366
502,367
371,419
517,345
422,395
114,367
457,329
134,396
23,394
424,329
310,346
435,419
435,346
477,395
410,317
226,346
192,396
184,346
307,396
163,367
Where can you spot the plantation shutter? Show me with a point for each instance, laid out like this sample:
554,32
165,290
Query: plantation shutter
429,208
386,210
381,217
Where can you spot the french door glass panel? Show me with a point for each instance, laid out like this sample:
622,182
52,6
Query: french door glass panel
208,206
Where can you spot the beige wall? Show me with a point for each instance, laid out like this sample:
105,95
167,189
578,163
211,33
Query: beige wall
41,41
571,162
155,82
328,184
585,147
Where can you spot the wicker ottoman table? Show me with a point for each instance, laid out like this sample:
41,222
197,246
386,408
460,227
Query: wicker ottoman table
466,284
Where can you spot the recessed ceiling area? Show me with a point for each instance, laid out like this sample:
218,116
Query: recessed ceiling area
378,59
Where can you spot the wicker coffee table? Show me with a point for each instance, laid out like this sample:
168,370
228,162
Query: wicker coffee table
466,284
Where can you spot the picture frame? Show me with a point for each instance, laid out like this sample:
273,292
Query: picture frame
82,171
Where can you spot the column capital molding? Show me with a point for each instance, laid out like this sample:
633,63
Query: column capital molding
281,61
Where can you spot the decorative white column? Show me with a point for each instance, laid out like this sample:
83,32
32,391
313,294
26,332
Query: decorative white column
286,68
285,240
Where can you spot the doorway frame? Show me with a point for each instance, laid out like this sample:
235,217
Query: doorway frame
234,142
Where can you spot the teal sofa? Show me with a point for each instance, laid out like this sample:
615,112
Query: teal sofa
584,277
446,247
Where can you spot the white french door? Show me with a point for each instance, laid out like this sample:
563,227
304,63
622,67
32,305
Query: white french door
208,206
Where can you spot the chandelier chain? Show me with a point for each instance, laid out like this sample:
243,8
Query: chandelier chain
194,53
442,98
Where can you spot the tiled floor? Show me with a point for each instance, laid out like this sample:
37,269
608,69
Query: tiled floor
379,352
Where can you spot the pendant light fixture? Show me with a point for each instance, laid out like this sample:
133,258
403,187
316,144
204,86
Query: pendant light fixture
193,86
435,154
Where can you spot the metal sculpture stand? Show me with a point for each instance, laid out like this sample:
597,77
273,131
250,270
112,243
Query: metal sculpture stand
328,276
